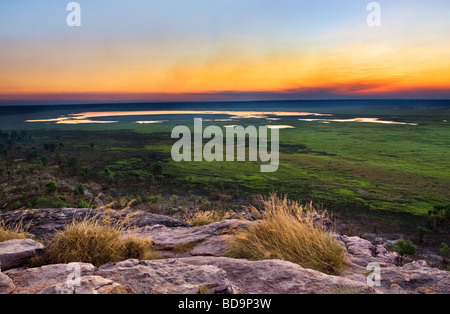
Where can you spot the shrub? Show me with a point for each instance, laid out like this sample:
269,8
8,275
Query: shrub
51,187
403,248
445,253
155,199
91,241
287,232
79,189
174,199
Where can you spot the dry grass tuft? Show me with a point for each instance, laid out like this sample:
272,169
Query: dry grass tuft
93,241
16,232
287,231
205,218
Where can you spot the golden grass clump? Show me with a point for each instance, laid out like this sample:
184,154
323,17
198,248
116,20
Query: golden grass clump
11,233
91,241
287,232
205,218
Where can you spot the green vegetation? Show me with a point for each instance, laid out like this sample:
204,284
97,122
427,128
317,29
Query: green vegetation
445,253
392,177
287,232
403,248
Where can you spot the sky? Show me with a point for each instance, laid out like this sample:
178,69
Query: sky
205,50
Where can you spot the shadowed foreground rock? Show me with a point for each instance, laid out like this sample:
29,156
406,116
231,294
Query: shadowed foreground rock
16,253
42,223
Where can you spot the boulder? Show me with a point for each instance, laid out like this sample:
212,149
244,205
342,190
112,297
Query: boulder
278,277
171,276
6,284
16,253
165,238
34,280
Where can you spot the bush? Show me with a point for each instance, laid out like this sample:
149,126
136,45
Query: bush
403,248
286,232
90,241
51,187
445,253
155,199
79,190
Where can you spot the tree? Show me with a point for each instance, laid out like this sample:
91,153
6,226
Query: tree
422,232
157,168
51,187
109,176
92,146
44,160
174,199
445,253
79,189
403,248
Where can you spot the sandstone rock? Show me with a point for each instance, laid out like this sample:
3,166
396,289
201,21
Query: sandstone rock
42,223
215,246
278,277
171,276
165,238
415,278
88,285
6,284
362,252
34,280
16,253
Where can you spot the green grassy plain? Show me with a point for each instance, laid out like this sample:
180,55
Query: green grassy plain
363,168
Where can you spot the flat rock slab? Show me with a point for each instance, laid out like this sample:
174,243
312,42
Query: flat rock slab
88,285
34,280
278,277
16,253
165,238
171,276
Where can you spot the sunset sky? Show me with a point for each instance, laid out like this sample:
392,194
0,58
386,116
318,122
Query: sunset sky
175,50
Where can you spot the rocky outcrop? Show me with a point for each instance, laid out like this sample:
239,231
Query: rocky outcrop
196,263
16,253
42,223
